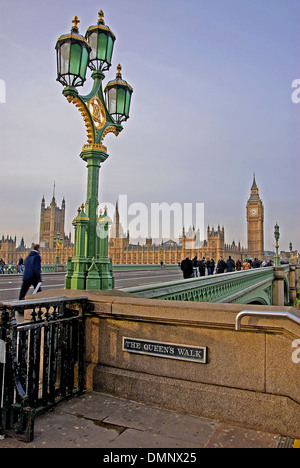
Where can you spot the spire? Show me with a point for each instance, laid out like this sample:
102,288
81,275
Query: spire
53,198
254,185
254,189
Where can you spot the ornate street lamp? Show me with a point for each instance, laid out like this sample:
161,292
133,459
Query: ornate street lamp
291,250
57,240
74,54
277,237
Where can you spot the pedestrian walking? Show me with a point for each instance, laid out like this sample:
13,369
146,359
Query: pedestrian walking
238,265
202,266
210,266
187,268
221,266
256,263
195,266
230,265
20,266
32,273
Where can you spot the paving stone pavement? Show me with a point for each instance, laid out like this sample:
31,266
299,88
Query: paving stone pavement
96,420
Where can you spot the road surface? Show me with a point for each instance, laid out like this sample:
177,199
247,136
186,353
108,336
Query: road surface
10,284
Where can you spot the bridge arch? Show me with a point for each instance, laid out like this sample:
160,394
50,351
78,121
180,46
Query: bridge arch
258,301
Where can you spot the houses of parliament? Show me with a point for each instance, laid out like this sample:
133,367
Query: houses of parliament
122,251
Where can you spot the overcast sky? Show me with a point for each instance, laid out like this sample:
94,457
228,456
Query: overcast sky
212,103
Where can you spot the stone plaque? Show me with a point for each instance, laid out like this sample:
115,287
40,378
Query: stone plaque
165,350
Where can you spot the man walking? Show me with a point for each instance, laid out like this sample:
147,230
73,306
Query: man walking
32,273
187,268
202,265
221,266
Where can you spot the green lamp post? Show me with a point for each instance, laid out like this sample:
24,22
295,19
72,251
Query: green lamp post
291,251
57,240
277,237
101,116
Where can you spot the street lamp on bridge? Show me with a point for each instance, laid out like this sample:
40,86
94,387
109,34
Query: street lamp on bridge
277,237
291,250
101,116
58,241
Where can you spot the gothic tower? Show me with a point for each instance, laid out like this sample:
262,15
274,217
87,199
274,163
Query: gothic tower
255,223
52,222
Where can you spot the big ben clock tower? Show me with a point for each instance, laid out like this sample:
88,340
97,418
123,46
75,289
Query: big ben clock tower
255,224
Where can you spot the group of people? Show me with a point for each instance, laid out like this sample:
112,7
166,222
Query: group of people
10,267
190,268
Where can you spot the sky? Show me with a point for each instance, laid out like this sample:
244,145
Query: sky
212,103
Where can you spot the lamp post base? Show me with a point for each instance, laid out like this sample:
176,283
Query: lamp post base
97,276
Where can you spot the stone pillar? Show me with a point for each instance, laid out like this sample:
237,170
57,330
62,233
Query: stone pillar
293,291
278,286
297,276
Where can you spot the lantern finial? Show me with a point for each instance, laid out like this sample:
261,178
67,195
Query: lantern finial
75,21
119,74
101,16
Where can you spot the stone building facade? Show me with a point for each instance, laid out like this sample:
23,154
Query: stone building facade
122,251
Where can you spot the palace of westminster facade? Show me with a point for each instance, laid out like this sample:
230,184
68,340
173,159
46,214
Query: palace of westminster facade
121,251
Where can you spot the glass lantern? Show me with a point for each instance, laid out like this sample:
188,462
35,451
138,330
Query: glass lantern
72,52
101,40
118,97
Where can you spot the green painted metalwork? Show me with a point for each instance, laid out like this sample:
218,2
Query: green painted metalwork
71,68
240,287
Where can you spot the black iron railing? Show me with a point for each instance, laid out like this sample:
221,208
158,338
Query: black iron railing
41,360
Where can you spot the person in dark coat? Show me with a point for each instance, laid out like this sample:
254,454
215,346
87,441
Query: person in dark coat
187,268
221,266
230,265
202,266
210,266
32,273
256,263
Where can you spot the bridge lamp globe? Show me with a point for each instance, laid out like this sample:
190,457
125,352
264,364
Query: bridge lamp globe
72,52
101,40
276,232
118,97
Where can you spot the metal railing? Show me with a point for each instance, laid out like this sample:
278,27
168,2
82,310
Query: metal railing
217,288
264,314
41,360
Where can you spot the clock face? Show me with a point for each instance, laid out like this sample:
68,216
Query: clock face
253,212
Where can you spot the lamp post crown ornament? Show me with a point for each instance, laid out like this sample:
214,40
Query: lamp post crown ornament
119,69
75,22
101,16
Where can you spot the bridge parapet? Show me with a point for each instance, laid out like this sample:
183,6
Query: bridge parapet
248,377
227,287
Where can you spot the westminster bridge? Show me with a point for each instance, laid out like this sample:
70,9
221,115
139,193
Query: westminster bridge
263,286
225,347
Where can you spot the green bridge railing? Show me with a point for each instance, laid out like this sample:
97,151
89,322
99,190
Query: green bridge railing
254,285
